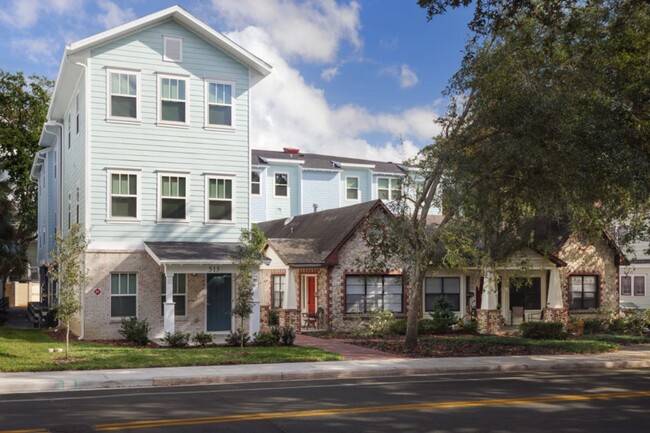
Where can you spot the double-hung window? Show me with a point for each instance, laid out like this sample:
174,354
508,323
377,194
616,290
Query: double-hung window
69,130
584,291
367,293
442,288
352,188
179,291
78,204
173,197
277,289
123,295
220,109
632,285
388,188
173,100
123,202
123,95
281,185
77,116
220,199
255,183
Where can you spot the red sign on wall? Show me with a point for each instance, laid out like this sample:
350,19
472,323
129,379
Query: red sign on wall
97,292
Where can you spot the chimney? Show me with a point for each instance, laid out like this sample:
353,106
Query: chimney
291,150
315,207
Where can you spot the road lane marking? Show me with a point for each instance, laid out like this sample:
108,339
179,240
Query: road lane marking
360,410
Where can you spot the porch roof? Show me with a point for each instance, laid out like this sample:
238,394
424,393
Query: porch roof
165,253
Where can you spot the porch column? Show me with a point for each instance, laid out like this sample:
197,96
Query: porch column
488,316
554,290
254,322
169,302
555,310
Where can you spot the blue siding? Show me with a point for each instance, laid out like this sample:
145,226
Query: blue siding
283,207
258,202
152,148
321,188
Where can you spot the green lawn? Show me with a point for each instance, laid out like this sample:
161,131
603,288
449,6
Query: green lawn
26,350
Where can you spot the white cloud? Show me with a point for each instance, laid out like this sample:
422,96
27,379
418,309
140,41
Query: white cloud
288,112
113,15
37,50
407,78
311,30
330,73
24,14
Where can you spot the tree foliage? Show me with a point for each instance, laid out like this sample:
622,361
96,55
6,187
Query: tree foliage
23,110
68,269
549,117
249,257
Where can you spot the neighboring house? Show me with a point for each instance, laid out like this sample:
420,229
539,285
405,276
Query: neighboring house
147,147
291,183
315,264
635,277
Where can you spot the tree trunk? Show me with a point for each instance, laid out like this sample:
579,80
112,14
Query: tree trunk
414,306
67,338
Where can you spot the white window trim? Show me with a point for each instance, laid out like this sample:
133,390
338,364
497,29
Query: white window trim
345,187
206,216
185,78
109,210
78,119
274,185
259,173
172,38
110,291
206,95
390,189
159,218
138,99
632,276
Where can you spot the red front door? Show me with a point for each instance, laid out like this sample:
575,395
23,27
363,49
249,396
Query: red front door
311,295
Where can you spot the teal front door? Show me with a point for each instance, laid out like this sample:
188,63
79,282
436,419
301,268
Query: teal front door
219,302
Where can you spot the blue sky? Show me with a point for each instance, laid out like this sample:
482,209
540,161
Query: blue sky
349,78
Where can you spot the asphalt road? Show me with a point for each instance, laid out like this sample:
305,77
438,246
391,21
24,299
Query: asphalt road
568,401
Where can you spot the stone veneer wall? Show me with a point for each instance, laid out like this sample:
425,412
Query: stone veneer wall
489,321
99,325
353,250
586,256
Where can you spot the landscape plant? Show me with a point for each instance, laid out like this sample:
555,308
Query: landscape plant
135,330
68,269
203,338
176,339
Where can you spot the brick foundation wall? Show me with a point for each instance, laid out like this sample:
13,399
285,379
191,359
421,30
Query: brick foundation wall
556,315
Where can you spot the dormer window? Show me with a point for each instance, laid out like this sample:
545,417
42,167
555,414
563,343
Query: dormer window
172,49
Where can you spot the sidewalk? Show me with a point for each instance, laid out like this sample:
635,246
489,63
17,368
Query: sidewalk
631,357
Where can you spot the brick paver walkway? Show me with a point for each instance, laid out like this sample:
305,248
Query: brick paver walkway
350,352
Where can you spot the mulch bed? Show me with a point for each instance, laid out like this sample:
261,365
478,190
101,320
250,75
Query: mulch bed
448,348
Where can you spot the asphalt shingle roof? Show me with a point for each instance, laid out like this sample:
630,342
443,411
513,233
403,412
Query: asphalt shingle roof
322,162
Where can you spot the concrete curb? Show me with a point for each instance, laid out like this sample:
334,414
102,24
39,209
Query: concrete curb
186,376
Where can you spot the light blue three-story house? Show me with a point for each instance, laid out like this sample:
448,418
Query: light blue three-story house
147,146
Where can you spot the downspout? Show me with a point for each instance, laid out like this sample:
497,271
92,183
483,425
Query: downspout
87,179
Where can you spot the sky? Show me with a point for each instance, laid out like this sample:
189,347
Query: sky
360,78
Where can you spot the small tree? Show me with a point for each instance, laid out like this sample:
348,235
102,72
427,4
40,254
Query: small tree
67,268
249,257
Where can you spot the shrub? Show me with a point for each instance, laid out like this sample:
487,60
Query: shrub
135,331
266,338
235,338
543,330
576,327
288,335
176,339
469,328
398,327
617,326
634,322
203,338
595,325
426,327
380,321
274,317
442,315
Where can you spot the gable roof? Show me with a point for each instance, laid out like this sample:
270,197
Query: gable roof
75,54
323,162
314,239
